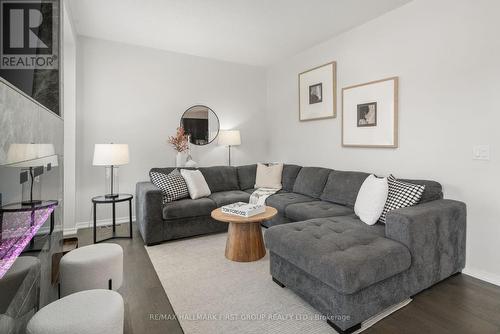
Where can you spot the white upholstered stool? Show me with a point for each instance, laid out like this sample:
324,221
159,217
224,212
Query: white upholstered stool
85,312
91,267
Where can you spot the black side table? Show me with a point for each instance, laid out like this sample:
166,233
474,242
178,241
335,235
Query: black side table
113,201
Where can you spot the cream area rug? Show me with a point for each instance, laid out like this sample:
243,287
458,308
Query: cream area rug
211,294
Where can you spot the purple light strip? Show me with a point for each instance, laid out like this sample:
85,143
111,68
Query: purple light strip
17,232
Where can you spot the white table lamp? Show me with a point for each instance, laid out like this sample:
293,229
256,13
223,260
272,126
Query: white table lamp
111,156
229,138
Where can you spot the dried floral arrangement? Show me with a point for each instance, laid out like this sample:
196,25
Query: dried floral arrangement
180,141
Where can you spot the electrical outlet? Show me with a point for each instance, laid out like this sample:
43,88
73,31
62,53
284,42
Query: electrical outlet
481,152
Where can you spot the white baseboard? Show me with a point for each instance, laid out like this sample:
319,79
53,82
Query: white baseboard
100,222
482,275
69,232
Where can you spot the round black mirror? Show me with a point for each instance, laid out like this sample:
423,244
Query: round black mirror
201,124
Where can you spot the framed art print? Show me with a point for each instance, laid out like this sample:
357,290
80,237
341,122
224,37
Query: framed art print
317,93
370,114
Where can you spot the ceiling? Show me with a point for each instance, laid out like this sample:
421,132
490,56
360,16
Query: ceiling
255,32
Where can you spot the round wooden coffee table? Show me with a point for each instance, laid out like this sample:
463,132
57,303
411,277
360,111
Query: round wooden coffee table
244,236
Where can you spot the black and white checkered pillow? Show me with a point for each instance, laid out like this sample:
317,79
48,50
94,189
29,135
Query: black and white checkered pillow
172,185
401,195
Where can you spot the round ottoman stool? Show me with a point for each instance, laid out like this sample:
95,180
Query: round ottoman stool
91,267
85,312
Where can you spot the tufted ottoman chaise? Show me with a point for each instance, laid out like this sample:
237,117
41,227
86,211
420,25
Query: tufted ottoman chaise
350,271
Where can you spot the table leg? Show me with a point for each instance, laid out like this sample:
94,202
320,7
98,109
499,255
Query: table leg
32,223
95,222
52,222
130,216
114,218
245,242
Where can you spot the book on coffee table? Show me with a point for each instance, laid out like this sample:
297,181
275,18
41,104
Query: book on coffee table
243,209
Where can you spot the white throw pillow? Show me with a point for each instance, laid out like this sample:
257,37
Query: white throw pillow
371,199
197,186
268,176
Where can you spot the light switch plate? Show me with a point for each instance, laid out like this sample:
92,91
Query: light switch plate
481,152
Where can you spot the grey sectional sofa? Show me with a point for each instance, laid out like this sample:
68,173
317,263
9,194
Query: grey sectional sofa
347,270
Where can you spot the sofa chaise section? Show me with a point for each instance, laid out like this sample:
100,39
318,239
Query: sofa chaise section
341,254
350,271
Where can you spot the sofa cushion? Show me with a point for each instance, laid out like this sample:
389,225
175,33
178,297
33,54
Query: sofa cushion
269,176
433,190
246,176
339,252
371,199
311,181
401,195
289,176
276,220
342,187
163,170
281,200
185,208
196,183
316,209
172,185
227,197
221,178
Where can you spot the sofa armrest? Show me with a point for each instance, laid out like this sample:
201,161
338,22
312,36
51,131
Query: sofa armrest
148,211
435,234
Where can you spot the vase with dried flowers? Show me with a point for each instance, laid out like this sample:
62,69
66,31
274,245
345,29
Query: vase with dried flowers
180,142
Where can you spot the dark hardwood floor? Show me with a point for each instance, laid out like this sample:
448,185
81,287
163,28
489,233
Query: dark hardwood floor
460,304
147,309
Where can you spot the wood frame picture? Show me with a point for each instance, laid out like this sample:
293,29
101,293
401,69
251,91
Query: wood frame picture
370,114
318,92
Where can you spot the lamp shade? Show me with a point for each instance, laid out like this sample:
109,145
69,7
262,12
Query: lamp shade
29,155
229,137
110,155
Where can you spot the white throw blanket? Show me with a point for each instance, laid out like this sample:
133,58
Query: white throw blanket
260,195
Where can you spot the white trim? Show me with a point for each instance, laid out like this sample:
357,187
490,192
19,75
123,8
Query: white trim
70,232
100,222
482,275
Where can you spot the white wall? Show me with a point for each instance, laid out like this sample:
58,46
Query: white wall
135,95
446,54
69,114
